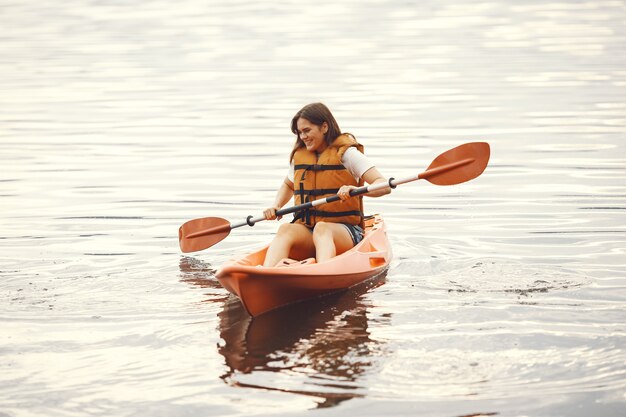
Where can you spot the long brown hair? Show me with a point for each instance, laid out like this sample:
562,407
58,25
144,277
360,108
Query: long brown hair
316,113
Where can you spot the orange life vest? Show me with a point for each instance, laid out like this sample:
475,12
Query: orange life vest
319,176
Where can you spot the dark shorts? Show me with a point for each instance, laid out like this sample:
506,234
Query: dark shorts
356,233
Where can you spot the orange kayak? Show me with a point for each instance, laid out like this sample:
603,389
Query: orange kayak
262,289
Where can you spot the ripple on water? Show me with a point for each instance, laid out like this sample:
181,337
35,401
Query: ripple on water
469,371
510,287
487,329
510,277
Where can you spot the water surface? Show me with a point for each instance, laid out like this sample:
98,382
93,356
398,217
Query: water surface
119,121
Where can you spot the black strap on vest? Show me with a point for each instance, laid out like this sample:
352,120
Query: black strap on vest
306,214
320,213
317,167
322,191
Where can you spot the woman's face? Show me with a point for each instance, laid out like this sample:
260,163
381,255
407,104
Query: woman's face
312,135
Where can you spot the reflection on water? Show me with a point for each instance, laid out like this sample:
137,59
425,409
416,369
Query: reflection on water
322,345
319,348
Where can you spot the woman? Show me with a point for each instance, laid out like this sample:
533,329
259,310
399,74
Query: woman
323,162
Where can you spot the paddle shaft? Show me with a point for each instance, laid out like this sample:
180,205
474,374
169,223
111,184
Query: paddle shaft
392,183
455,166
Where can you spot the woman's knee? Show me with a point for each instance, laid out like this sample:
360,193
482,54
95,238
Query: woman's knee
284,228
290,231
322,230
326,233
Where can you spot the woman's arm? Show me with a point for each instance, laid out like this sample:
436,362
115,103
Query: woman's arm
373,176
360,165
284,194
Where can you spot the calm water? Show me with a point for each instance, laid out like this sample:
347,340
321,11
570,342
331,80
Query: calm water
121,120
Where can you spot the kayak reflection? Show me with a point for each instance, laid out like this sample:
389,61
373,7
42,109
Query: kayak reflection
322,343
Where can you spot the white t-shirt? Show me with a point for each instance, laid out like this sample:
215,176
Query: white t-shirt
355,162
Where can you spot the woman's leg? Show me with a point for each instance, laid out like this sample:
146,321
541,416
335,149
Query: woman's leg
330,239
291,239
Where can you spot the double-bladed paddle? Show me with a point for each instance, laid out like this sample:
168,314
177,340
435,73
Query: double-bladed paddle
454,166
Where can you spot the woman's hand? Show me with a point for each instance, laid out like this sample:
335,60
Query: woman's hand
270,213
344,191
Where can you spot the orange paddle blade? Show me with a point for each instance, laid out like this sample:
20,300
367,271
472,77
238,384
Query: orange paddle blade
199,234
458,165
